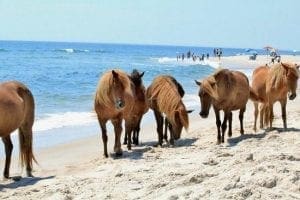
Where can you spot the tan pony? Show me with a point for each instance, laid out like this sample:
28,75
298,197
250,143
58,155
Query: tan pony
140,105
273,84
225,90
17,112
114,100
164,98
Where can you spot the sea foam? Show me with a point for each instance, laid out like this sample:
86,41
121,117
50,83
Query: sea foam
188,62
59,120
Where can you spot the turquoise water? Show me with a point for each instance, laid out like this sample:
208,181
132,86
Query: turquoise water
63,78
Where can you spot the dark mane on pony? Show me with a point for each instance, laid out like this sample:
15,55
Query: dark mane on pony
168,98
103,93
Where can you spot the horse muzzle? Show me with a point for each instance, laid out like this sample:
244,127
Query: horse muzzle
292,96
203,114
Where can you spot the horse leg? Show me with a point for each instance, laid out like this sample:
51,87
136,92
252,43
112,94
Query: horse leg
271,114
224,125
159,120
125,138
166,130
117,123
128,130
230,124
218,123
171,134
255,115
104,136
241,117
137,132
8,150
262,115
283,113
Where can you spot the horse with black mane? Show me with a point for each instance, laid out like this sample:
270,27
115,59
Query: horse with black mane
164,97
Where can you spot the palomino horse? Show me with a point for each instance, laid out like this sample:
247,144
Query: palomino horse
114,100
140,105
273,84
226,90
17,111
164,97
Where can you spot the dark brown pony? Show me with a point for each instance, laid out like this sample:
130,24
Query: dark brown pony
226,90
164,98
17,112
273,84
114,100
140,105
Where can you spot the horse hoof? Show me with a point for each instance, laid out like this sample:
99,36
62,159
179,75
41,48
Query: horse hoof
16,178
229,134
29,174
124,143
106,155
218,142
119,153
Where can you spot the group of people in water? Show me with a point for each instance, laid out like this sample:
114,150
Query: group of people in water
191,55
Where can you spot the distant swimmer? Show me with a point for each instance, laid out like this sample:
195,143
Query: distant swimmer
207,56
182,56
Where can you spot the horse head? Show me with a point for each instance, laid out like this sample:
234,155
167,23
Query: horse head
118,90
207,92
292,75
181,120
136,77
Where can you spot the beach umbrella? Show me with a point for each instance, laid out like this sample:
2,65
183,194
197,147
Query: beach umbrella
269,48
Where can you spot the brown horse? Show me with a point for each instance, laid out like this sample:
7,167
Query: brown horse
140,105
164,97
17,112
273,84
114,100
226,90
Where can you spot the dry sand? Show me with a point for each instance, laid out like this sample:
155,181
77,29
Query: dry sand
261,165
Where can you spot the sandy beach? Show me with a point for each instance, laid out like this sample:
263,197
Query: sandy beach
257,165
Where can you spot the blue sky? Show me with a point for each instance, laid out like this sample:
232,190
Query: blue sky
231,23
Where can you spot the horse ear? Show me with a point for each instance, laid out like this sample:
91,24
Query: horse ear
142,74
189,111
285,65
198,82
115,74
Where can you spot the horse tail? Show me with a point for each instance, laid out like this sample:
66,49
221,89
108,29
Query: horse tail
253,96
25,130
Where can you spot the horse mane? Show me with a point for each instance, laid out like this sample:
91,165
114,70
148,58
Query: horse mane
168,98
210,84
278,74
105,85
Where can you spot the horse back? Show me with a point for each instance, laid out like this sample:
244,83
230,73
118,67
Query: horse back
12,106
259,79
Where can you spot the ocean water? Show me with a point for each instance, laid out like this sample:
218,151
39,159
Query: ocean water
63,78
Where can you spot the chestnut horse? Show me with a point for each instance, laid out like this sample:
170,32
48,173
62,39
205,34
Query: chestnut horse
114,100
164,98
273,84
17,112
226,90
140,105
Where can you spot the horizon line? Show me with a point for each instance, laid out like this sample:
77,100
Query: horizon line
137,44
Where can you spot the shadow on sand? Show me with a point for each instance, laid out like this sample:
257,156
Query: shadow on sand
236,140
26,181
138,151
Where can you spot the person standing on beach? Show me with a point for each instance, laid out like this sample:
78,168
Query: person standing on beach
182,56
207,56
